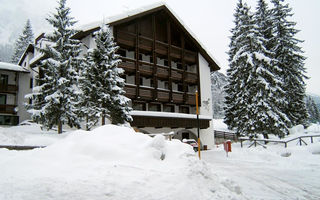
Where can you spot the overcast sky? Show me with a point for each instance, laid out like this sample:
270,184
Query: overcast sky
209,20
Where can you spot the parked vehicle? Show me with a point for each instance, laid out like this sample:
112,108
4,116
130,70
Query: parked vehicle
191,142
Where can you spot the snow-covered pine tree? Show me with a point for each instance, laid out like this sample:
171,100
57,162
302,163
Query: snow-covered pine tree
255,95
232,86
289,59
102,86
22,42
313,111
55,99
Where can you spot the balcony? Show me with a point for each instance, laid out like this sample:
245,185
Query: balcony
145,43
190,99
162,72
163,96
7,109
190,56
177,97
161,48
145,93
127,39
176,75
146,69
131,91
127,65
175,52
191,77
8,88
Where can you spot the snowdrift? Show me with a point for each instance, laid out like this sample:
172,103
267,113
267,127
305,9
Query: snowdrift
109,162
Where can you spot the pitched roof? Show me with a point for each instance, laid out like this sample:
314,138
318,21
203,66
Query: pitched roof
130,15
12,67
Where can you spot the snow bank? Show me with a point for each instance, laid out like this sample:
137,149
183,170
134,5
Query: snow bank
110,162
28,134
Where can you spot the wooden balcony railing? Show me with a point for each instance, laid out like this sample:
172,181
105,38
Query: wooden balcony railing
8,88
161,48
190,99
175,52
7,109
190,56
145,93
126,39
145,43
176,74
177,97
163,96
127,65
131,91
146,69
191,77
162,72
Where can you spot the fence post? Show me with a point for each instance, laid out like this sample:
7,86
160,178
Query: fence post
285,144
255,143
300,141
241,142
311,139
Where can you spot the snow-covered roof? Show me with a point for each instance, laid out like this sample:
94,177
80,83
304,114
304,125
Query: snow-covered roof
30,48
11,67
88,28
168,114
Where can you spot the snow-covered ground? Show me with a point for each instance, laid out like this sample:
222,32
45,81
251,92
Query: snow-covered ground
117,163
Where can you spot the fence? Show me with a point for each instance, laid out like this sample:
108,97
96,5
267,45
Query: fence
285,142
225,135
18,147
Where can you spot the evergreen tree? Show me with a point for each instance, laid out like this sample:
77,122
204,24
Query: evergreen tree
254,90
288,57
22,42
231,88
102,86
55,99
313,111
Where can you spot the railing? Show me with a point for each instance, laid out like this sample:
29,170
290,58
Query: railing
256,142
18,147
191,77
176,74
8,109
8,88
162,72
225,135
130,90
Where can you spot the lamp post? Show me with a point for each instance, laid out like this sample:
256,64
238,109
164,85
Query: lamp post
198,124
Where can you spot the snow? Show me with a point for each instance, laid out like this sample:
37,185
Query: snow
168,114
109,162
11,67
112,162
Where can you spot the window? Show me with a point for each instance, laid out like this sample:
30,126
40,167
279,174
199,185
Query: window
4,79
180,87
154,107
122,52
168,108
9,120
138,106
31,82
184,109
3,99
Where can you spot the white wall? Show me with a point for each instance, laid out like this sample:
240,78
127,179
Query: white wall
206,135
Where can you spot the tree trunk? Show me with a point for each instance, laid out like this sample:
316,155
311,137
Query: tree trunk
59,127
103,119
87,127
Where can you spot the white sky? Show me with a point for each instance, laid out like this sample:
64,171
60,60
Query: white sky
210,20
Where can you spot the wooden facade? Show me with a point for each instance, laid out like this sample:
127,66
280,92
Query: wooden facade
154,47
